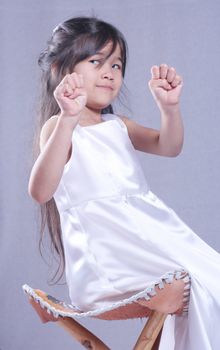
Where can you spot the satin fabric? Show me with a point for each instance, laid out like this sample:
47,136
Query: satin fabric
119,237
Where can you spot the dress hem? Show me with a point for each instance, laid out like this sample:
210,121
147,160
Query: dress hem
147,294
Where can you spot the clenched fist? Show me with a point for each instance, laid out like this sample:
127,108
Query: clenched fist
165,85
71,95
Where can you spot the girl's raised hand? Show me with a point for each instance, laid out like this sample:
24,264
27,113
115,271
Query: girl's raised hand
165,86
71,95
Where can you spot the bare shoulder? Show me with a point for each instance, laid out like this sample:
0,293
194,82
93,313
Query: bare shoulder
47,130
124,118
130,124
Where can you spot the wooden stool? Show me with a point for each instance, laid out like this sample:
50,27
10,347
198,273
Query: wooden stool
49,309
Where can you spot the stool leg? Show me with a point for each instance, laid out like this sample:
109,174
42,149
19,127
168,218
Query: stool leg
157,341
82,334
151,331
79,333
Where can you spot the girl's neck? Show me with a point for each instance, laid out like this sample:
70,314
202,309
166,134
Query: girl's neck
89,115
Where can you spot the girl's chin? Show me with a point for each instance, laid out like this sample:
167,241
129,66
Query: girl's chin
98,107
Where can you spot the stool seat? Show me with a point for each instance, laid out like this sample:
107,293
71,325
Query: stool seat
60,308
49,309
168,292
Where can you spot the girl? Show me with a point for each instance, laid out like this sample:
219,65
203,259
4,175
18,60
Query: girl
120,242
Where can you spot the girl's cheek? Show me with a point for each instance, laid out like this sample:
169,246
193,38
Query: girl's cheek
120,83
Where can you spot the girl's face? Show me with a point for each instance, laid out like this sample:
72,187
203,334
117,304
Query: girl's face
102,77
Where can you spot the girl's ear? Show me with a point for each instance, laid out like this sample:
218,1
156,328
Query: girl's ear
53,70
56,77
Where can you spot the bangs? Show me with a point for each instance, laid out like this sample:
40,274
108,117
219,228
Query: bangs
89,45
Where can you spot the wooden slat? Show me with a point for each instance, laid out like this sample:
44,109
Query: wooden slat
150,331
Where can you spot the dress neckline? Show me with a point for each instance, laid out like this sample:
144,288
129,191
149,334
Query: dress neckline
106,118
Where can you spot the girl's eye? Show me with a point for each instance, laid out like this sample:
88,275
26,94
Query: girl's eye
116,66
94,62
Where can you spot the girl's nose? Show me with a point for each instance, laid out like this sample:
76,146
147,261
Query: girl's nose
108,76
107,72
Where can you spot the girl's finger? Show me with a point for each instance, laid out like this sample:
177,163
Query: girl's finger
177,81
171,73
63,89
75,79
163,71
65,79
70,80
59,90
68,90
155,72
162,83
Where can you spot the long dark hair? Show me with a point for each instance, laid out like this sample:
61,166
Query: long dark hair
72,41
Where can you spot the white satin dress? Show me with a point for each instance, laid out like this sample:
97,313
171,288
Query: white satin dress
120,238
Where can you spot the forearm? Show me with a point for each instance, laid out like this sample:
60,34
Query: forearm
48,168
171,131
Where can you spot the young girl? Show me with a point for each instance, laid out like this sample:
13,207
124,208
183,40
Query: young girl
120,242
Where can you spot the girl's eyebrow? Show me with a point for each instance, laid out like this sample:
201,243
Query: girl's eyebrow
102,54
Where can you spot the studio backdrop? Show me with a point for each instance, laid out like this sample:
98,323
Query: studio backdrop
183,34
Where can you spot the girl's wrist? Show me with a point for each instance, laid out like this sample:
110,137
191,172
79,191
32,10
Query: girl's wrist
170,110
64,114
68,120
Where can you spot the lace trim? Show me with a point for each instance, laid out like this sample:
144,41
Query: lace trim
147,293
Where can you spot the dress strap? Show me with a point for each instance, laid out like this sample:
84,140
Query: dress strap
121,122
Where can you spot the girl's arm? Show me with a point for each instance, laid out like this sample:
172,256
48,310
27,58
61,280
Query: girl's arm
55,138
55,145
171,132
165,86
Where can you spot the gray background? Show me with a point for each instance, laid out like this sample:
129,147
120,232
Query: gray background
184,34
